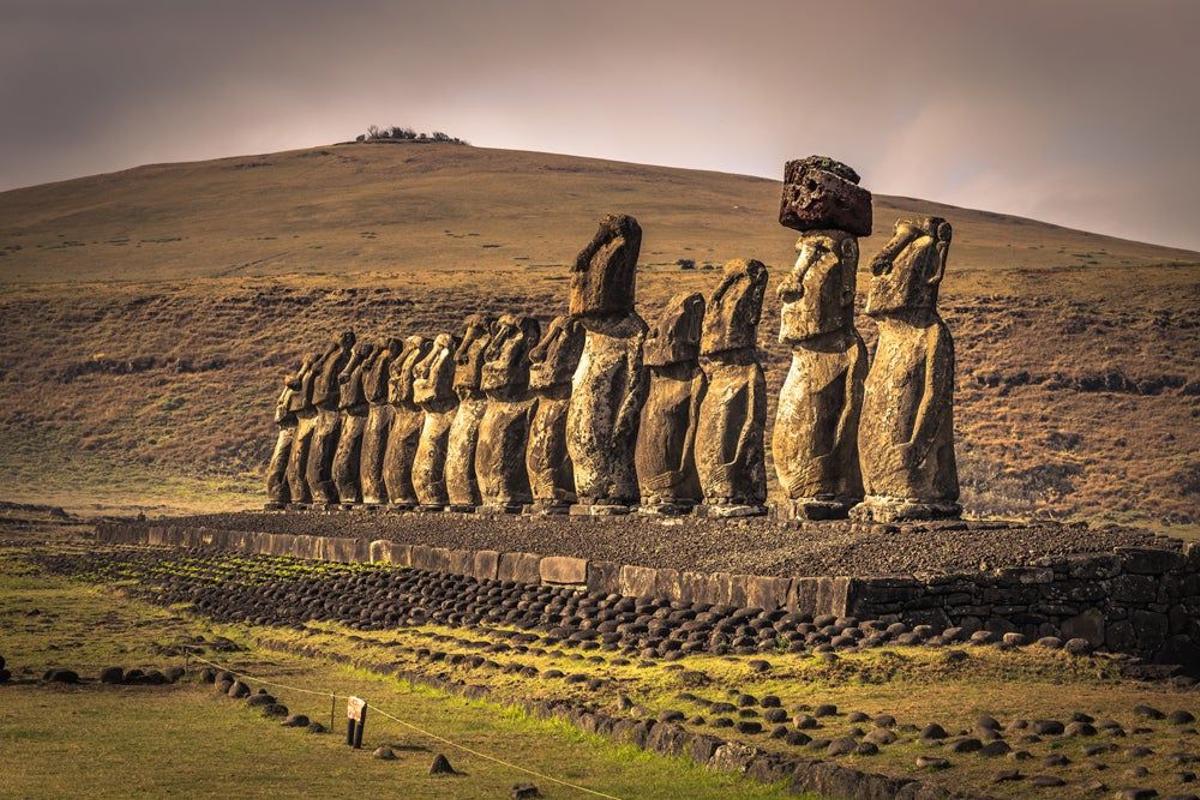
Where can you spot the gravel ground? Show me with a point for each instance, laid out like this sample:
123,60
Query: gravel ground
755,546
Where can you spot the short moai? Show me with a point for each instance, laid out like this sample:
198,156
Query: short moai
552,366
462,489
278,492
352,402
609,385
379,421
433,391
730,457
815,440
407,420
906,436
665,455
326,396
504,428
306,419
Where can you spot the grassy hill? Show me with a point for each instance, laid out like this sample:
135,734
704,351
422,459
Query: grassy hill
150,313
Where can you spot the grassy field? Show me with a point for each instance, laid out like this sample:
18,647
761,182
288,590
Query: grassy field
153,312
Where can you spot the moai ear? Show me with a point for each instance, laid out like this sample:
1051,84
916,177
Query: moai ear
942,247
849,269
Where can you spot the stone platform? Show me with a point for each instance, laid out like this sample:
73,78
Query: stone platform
1121,590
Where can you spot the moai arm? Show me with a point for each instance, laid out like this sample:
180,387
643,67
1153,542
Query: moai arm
754,397
938,393
688,453
635,396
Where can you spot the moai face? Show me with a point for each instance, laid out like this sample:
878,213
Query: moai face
434,375
675,337
400,387
468,357
731,321
820,193
907,272
350,378
554,359
605,272
817,296
506,362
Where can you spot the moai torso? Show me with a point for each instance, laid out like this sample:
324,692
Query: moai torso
665,452
379,420
352,403
906,438
326,391
815,439
552,366
433,391
326,397
730,458
278,490
504,429
609,385
305,412
407,419
462,489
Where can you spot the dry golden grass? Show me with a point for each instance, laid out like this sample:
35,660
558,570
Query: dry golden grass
140,365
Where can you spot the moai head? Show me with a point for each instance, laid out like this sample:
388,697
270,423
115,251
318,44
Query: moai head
350,378
400,387
344,340
731,321
506,362
820,193
468,357
675,336
817,296
553,360
433,379
907,271
605,272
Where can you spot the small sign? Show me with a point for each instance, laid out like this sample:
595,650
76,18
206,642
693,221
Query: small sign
356,709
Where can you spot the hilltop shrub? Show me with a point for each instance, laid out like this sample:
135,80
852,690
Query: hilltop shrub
397,133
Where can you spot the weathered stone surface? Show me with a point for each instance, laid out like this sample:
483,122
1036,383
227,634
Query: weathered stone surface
278,490
664,457
603,576
486,565
404,434
379,420
352,404
1088,625
609,385
461,486
433,392
500,452
1149,560
552,367
563,569
815,439
906,435
635,581
305,412
730,458
325,397
384,551
520,567
819,193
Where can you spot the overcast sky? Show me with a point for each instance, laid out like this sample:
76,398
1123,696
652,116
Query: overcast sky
1082,113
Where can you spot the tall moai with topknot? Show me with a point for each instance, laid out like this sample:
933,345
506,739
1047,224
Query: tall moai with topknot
379,420
278,492
730,456
906,437
665,455
326,396
552,366
609,386
352,403
407,420
815,440
504,430
302,406
433,391
462,489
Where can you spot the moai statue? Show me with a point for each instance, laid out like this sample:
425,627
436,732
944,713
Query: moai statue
379,421
733,413
407,421
553,364
609,386
325,396
665,454
306,420
906,437
815,440
278,492
462,489
433,391
504,429
352,402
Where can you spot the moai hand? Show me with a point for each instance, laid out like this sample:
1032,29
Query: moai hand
433,391
552,367
504,429
665,452
906,437
730,457
461,487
